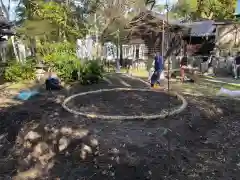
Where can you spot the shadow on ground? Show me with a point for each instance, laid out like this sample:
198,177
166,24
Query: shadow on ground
40,140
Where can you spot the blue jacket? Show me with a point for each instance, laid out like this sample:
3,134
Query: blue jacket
158,63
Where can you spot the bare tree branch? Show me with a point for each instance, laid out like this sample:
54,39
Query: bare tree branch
5,10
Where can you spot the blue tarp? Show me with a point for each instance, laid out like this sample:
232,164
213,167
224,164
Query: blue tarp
27,94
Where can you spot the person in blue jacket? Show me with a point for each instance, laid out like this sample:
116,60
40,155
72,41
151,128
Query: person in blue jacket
158,67
53,82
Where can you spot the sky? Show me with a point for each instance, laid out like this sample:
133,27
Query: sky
164,1
238,8
12,8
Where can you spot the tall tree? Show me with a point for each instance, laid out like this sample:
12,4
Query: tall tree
116,10
208,9
51,21
150,3
215,9
6,8
184,9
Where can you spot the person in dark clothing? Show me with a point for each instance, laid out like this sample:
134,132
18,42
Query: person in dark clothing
158,67
236,66
183,66
52,82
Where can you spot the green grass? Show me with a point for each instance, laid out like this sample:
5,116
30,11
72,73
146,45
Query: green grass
20,85
201,86
231,87
142,73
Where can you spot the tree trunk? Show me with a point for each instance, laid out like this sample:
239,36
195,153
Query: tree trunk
5,10
33,47
121,54
3,54
15,48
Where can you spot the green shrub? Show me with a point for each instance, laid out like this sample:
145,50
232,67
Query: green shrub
10,51
64,64
91,72
61,57
60,47
17,71
149,64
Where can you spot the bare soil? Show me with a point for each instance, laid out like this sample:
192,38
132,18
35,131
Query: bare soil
129,103
40,140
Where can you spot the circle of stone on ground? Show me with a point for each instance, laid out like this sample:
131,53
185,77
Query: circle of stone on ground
125,103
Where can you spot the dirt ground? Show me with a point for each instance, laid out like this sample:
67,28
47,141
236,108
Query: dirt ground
129,103
40,140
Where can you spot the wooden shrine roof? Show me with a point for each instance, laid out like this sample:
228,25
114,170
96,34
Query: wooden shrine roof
5,25
148,22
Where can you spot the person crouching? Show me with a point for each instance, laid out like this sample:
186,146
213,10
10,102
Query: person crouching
53,82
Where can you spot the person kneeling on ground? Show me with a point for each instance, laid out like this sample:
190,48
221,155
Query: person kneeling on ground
52,82
158,67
